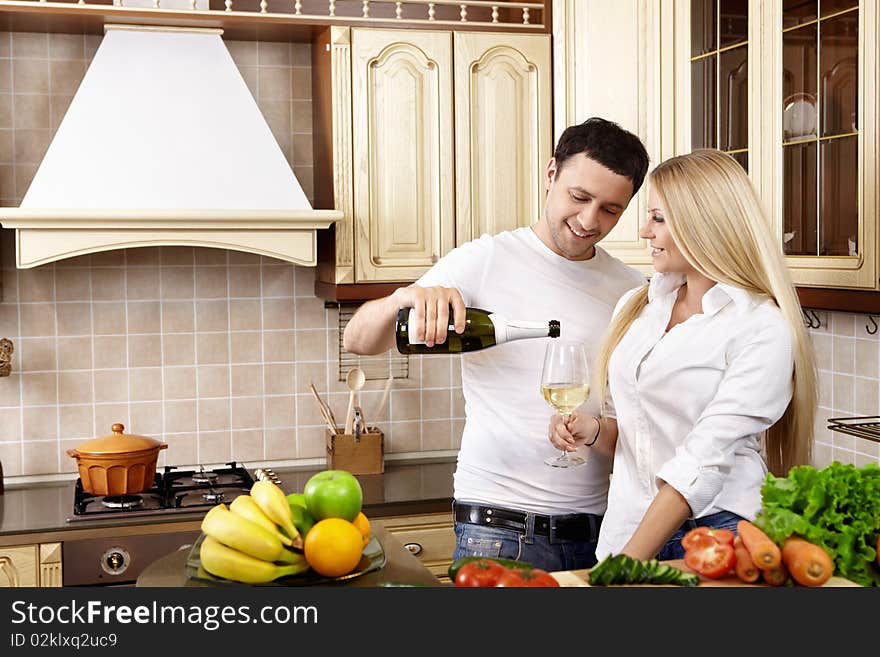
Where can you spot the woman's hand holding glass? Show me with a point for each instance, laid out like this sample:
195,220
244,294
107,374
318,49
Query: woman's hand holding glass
577,430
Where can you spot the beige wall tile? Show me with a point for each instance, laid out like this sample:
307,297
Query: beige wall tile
30,76
244,281
867,358
246,347
301,83
307,412
177,256
142,283
304,282
10,456
213,381
66,46
844,392
404,437
177,282
437,371
277,281
278,346
144,317
178,317
182,450
843,355
5,115
310,442
24,173
405,405
31,112
436,404
74,318
274,83
300,54
39,457
212,348
30,44
843,324
147,256
109,318
31,145
279,379
180,416
311,345
280,411
75,388
73,285
111,351
146,419
244,53
114,258
311,373
10,425
436,434
214,447
36,354
179,383
179,349
247,412
145,384
108,284
39,423
210,282
58,105
310,313
144,350
111,386
866,392
247,380
76,421
37,319
457,402
65,75
10,391
280,444
278,314
212,315
247,445
207,256
214,414
75,353
39,388
273,53
245,314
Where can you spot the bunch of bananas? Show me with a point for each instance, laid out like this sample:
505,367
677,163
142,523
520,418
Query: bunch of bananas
253,540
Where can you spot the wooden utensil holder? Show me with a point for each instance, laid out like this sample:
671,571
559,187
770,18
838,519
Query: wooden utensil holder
363,456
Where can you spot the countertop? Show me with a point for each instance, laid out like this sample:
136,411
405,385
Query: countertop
39,513
401,567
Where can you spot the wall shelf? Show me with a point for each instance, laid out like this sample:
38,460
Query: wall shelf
867,427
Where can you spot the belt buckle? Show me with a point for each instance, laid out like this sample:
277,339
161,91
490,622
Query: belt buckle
552,529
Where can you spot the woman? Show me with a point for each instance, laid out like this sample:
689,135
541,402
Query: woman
709,366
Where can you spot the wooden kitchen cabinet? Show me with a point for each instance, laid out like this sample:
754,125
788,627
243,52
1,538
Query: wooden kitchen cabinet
808,89
31,565
446,137
429,536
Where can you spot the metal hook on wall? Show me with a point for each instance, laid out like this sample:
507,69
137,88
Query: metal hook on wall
874,323
811,319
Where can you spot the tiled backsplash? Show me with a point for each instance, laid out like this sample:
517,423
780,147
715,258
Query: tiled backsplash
213,351
210,351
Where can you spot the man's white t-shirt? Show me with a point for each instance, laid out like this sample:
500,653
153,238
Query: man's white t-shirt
505,438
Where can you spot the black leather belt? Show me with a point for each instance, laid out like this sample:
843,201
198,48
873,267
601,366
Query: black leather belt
568,526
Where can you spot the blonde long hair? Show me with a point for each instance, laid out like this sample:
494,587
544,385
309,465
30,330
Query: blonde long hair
715,218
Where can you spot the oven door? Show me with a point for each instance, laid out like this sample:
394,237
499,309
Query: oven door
119,560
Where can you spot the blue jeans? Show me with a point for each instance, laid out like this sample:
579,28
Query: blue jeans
720,520
482,541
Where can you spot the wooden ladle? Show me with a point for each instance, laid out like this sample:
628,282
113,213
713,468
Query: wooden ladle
355,380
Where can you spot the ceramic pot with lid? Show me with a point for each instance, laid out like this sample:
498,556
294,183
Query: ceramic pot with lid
118,464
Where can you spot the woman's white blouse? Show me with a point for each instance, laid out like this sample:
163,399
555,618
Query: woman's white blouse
691,404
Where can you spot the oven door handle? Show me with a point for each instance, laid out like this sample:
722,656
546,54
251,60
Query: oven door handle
10,570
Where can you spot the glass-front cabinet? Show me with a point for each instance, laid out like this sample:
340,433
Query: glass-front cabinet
788,87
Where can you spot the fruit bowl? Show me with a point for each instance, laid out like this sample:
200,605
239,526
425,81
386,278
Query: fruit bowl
373,558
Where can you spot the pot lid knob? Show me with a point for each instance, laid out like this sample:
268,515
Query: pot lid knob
117,428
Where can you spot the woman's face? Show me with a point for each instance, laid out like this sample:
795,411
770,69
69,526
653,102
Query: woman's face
665,255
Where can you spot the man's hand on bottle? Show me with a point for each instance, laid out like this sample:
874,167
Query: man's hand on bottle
432,310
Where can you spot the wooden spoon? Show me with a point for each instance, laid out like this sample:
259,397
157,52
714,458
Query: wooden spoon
355,380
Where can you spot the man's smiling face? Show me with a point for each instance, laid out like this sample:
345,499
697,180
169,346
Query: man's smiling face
584,202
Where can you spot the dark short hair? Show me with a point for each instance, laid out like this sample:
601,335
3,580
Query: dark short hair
608,144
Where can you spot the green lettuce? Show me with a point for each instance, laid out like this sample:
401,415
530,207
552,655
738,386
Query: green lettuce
837,508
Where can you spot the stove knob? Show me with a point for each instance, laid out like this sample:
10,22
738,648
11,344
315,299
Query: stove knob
115,561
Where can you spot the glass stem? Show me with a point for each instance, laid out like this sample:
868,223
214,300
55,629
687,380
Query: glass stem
564,455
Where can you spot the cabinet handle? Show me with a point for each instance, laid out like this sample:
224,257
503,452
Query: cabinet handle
414,548
10,570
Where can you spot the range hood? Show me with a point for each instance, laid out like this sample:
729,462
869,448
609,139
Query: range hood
163,144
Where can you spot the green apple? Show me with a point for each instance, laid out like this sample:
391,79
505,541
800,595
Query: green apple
333,494
297,498
302,519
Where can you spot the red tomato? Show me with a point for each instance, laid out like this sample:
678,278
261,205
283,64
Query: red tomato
517,577
482,572
711,560
698,535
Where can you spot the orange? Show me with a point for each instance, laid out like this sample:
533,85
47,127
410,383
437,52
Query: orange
363,524
333,547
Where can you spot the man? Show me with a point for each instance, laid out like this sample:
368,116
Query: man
508,503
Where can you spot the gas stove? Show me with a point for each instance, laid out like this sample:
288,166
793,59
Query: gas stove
173,491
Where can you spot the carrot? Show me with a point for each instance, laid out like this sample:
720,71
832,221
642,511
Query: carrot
775,576
808,563
746,569
764,552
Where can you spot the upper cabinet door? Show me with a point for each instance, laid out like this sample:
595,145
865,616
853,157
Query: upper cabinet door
403,147
503,130
783,86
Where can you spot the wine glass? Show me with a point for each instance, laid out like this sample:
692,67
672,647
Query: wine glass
565,384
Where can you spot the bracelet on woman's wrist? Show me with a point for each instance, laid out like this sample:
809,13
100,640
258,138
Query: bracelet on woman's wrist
598,431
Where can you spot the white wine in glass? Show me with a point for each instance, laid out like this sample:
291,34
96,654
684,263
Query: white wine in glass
565,385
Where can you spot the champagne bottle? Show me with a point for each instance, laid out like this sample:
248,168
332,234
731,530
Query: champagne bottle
482,329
